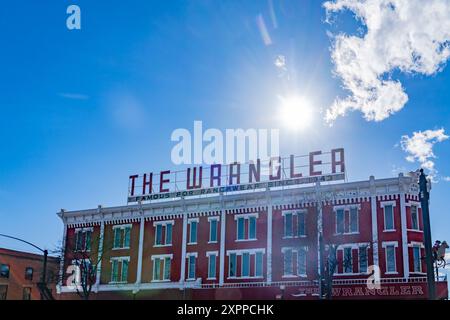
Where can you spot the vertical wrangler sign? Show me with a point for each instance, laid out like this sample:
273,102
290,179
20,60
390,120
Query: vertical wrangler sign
275,172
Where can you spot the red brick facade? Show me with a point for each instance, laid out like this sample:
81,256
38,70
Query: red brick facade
16,283
371,222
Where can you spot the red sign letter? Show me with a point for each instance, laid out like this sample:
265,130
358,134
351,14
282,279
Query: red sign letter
313,162
335,163
162,181
147,183
215,177
132,178
194,185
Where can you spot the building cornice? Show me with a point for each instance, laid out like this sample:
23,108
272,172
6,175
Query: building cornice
246,202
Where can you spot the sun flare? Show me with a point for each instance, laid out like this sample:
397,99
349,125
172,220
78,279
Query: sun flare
296,112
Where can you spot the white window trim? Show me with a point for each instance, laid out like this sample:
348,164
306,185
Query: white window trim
122,226
246,216
83,230
418,218
119,260
239,252
335,210
208,255
163,258
156,235
249,264
383,205
229,265
350,220
190,220
188,256
295,250
384,245
163,223
210,219
419,245
359,259
91,229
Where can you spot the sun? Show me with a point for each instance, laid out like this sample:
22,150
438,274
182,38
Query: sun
296,112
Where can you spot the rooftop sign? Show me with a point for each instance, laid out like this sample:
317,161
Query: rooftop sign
275,172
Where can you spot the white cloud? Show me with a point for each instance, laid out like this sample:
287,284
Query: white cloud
280,62
419,148
412,36
447,179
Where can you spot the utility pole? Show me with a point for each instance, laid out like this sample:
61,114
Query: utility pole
320,245
424,196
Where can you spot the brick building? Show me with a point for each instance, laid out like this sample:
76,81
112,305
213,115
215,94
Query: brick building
21,271
258,245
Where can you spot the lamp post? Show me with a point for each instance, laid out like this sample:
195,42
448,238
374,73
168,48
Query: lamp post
45,252
424,196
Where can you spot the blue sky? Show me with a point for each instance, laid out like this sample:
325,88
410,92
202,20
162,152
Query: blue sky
83,109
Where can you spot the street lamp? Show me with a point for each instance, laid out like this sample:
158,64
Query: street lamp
424,196
44,271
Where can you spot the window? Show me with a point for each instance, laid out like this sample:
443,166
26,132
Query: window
294,224
252,228
4,271
124,273
193,231
232,266
212,266
245,265
161,263
122,236
288,269
388,217
169,233
390,259
294,261
213,223
3,292
83,239
158,235
119,269
348,260
301,263
363,263
114,271
26,294
250,266
301,224
288,225
259,264
242,235
157,269
163,228
340,221
414,218
417,261
28,273
240,228
167,265
353,220
191,267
